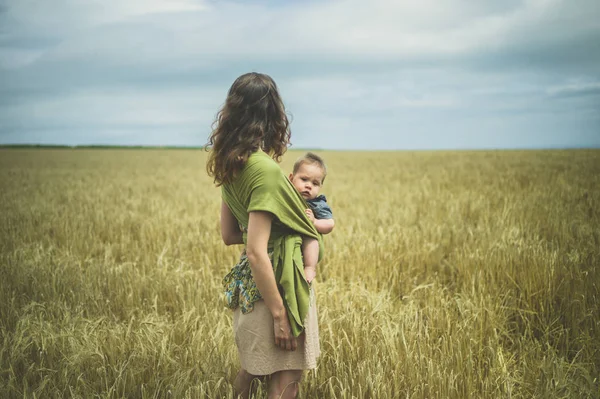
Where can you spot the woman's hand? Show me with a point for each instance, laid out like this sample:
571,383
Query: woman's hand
283,332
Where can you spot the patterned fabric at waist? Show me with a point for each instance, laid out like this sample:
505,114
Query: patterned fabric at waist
240,288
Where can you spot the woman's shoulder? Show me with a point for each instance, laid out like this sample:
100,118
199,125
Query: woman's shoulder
260,162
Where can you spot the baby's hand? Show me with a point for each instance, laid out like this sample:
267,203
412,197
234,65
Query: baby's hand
310,215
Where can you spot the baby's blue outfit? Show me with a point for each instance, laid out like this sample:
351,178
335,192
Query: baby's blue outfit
320,207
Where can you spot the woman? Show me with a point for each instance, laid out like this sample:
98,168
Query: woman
275,320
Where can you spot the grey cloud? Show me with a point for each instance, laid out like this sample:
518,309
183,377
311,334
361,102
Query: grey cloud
506,70
576,90
158,43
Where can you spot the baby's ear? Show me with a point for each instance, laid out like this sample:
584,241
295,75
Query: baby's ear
291,176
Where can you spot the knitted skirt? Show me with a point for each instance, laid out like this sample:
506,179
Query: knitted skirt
255,341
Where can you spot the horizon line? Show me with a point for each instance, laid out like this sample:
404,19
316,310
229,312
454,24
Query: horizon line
192,147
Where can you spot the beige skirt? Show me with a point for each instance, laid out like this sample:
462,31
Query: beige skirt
255,340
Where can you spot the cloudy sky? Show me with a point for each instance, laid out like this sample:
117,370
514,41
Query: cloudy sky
376,74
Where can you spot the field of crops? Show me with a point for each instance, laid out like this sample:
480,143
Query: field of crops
448,275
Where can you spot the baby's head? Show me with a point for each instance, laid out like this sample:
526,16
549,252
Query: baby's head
308,175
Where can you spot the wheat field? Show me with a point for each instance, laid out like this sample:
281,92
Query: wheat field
467,274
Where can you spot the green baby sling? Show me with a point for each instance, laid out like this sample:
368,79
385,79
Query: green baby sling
262,186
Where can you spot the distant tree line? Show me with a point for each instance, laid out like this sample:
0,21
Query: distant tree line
99,147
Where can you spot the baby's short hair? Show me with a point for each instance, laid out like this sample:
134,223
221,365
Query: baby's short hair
311,158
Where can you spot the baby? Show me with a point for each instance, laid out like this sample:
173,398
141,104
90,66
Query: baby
308,176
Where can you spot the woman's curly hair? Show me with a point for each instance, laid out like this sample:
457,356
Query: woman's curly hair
253,117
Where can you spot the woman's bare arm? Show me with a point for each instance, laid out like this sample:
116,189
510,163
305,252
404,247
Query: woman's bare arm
230,230
259,230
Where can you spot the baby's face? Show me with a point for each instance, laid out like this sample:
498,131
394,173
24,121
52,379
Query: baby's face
308,180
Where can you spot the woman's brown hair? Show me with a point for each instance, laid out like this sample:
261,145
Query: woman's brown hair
253,117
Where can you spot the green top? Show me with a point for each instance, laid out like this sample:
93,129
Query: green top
262,186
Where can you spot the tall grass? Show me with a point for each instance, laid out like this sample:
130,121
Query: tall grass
449,274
